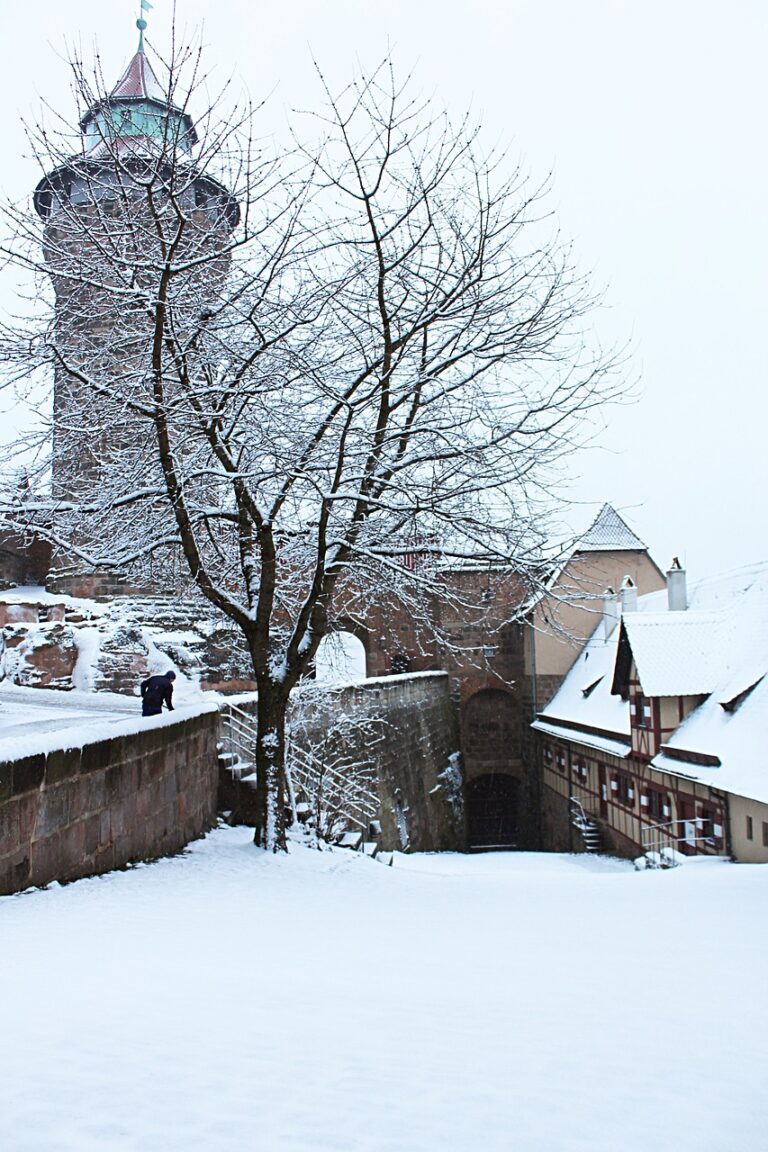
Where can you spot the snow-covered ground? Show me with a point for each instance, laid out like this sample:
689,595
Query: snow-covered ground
36,720
228,1000
25,711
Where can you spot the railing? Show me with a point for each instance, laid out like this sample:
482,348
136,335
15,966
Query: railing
239,734
334,798
657,837
580,818
329,790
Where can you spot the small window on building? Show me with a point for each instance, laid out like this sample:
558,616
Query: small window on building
710,829
548,755
642,711
751,830
561,761
658,806
765,834
623,788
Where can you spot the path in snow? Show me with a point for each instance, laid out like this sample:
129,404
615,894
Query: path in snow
228,1000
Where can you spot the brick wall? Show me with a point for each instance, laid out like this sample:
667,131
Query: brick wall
83,811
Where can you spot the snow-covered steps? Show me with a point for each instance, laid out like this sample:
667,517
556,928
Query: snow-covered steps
351,840
586,825
666,858
370,848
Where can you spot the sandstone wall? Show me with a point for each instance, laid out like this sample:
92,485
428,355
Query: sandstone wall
403,738
83,811
419,778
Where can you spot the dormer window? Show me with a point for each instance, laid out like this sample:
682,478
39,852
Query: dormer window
642,711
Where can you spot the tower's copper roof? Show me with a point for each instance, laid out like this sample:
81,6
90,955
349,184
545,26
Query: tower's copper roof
138,82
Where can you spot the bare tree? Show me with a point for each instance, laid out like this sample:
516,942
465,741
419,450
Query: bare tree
301,371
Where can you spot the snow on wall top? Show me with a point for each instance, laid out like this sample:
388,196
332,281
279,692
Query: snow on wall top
33,742
609,533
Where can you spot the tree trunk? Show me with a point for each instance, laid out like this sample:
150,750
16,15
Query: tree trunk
270,767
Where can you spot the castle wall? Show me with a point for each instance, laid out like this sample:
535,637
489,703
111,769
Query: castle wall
405,730
84,811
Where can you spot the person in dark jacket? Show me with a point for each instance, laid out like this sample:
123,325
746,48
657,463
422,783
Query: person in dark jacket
156,691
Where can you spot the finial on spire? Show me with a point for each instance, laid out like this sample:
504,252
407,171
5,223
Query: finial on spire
141,23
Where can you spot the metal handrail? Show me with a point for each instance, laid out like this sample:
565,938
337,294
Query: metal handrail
578,811
655,837
360,806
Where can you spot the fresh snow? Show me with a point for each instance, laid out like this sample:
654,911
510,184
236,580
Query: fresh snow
35,720
229,999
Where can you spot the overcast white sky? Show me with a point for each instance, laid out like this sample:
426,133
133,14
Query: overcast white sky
649,114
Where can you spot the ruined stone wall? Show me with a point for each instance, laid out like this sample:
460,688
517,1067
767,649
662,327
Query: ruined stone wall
84,811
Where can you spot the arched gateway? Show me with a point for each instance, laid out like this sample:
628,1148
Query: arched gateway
490,725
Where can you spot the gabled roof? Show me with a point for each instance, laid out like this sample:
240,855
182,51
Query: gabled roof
735,740
609,533
720,638
675,653
717,648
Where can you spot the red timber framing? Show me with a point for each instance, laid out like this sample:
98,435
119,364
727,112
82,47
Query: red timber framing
633,803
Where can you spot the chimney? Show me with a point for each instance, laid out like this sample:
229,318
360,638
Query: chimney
628,595
677,589
610,612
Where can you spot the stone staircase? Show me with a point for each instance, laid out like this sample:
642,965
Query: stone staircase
586,825
323,801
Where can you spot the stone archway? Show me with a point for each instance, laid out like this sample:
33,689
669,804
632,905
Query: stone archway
491,733
340,657
492,811
491,739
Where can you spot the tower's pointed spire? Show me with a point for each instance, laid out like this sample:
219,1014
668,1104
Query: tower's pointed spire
137,114
141,23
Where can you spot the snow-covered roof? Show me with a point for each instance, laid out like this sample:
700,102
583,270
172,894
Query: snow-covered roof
736,739
717,648
588,739
718,644
675,653
609,533
584,698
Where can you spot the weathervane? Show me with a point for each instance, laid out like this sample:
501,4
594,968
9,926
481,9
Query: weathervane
141,23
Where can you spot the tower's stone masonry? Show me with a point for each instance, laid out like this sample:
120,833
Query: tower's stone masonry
118,216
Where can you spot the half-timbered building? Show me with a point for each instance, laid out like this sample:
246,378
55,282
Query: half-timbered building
655,742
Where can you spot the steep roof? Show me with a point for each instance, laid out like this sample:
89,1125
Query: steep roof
138,82
138,88
722,634
675,653
717,648
609,533
584,699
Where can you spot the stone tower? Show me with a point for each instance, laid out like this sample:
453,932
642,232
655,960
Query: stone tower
112,213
